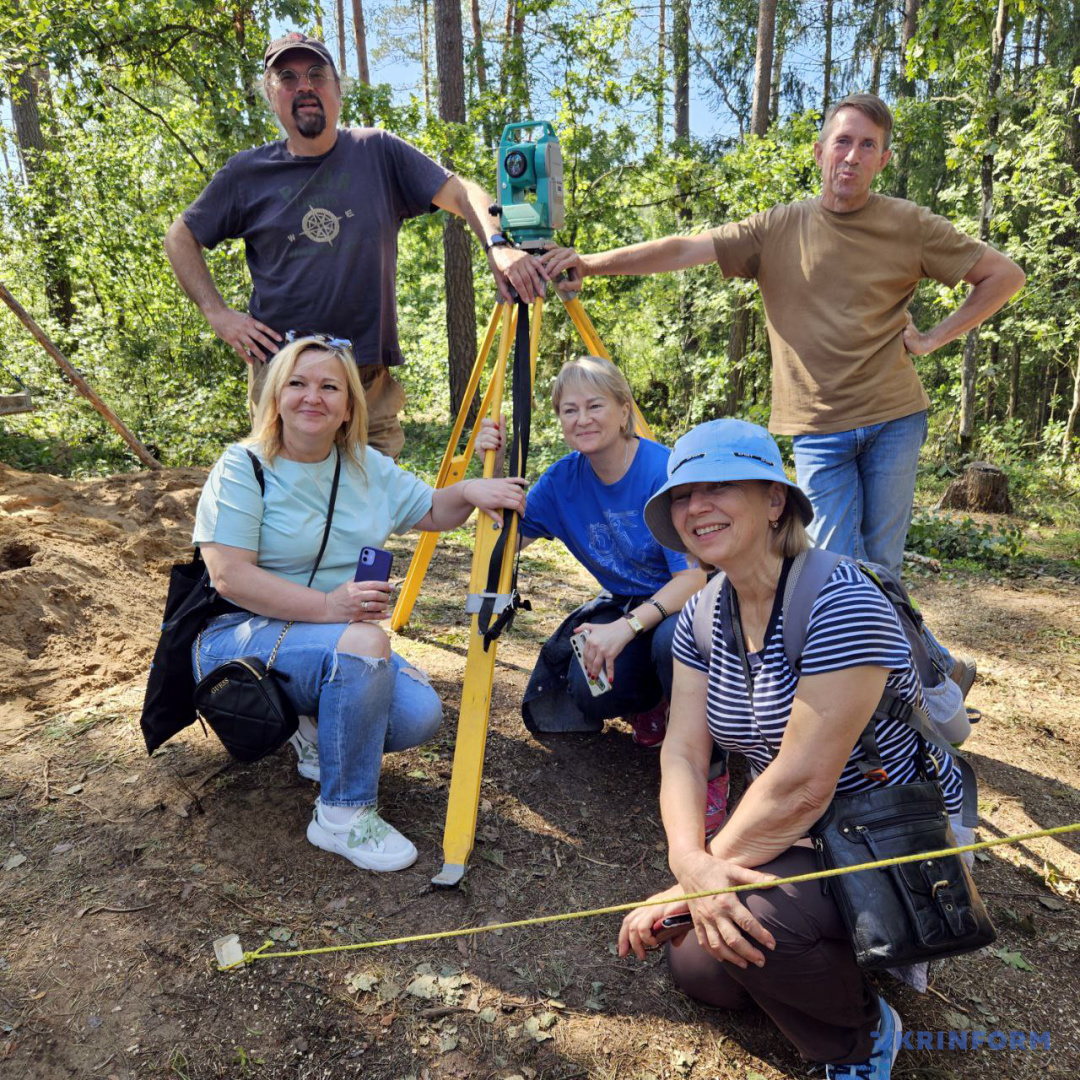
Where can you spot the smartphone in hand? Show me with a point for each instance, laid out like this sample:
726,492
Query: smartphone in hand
672,927
601,684
373,565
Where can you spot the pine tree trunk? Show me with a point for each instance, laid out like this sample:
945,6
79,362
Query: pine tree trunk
763,60
478,46
661,76
991,383
457,244
738,334
906,88
826,88
779,41
425,57
31,145
1070,422
363,73
971,342
1014,380
680,60
343,69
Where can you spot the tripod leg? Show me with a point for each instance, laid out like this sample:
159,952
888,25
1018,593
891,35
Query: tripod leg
459,833
450,472
585,328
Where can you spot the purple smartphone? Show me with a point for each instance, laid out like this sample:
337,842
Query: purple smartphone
373,565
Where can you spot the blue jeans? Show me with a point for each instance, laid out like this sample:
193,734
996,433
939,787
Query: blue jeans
365,705
643,673
861,484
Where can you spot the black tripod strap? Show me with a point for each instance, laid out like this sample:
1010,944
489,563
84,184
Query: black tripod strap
519,455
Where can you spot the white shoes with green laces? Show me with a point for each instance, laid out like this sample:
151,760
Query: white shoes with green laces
307,756
365,839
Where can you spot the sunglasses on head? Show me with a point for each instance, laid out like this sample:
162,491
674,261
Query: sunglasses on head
324,339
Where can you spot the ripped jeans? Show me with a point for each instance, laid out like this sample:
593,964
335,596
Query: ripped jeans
364,705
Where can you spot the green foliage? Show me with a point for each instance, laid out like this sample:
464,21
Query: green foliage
943,537
145,101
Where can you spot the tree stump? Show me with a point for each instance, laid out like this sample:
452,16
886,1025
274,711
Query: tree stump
983,487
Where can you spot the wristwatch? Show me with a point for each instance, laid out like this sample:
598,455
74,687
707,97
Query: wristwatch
495,240
635,624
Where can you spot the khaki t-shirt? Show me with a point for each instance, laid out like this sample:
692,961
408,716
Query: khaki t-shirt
836,289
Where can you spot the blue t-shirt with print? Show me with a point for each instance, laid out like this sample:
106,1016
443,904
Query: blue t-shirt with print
603,525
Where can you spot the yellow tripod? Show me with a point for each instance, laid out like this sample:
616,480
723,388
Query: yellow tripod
459,831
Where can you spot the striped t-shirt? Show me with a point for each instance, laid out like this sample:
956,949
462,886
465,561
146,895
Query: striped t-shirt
851,625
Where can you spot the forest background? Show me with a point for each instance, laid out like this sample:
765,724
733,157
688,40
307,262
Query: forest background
115,115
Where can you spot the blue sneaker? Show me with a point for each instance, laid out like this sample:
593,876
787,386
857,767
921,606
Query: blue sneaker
886,1046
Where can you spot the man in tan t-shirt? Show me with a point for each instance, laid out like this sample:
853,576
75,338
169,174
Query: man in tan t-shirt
836,275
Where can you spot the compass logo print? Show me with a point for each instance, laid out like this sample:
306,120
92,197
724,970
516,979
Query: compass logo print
321,226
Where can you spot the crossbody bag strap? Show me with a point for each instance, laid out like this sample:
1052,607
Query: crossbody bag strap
329,518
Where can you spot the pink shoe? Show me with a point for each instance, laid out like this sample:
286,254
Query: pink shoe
650,727
716,796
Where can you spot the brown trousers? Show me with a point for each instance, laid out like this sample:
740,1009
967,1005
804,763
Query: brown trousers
810,986
384,396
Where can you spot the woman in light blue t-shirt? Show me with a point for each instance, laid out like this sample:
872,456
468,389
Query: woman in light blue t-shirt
260,548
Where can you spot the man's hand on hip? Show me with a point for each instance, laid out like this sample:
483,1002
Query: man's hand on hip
516,268
245,335
916,342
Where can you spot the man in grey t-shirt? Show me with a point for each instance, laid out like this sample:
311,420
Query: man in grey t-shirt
319,213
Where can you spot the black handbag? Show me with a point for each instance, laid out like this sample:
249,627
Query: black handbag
906,914
192,601
243,702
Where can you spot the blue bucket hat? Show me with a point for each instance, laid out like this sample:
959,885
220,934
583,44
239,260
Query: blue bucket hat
719,450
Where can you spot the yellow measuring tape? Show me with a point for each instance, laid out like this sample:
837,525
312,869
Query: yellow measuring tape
614,909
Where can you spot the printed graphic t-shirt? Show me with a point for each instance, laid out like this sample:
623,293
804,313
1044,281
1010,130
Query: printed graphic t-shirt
285,526
320,233
836,289
603,525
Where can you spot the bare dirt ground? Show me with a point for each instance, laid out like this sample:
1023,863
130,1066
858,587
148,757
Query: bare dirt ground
119,871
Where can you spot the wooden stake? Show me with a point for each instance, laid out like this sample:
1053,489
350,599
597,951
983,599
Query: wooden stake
79,382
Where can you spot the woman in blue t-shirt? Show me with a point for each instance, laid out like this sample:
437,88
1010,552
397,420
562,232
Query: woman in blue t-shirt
729,503
593,500
261,547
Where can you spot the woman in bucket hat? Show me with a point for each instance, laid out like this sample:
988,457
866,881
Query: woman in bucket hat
728,502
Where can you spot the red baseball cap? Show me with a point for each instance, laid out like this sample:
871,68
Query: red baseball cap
296,40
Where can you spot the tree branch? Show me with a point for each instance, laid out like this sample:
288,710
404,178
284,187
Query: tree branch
165,123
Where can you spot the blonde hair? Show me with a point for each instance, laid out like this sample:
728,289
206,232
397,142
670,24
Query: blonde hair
599,374
790,537
266,428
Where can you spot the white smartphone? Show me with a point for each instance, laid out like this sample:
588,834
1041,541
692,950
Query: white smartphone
601,684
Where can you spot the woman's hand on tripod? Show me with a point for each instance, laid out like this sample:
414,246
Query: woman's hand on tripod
496,495
491,437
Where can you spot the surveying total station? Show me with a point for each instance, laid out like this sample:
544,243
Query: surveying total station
531,190
530,167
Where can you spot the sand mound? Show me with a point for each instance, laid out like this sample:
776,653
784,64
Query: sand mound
83,573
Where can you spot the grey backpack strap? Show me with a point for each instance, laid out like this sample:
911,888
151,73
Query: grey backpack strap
918,720
705,615
809,571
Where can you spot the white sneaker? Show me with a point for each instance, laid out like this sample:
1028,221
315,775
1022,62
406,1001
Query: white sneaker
366,840
307,756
